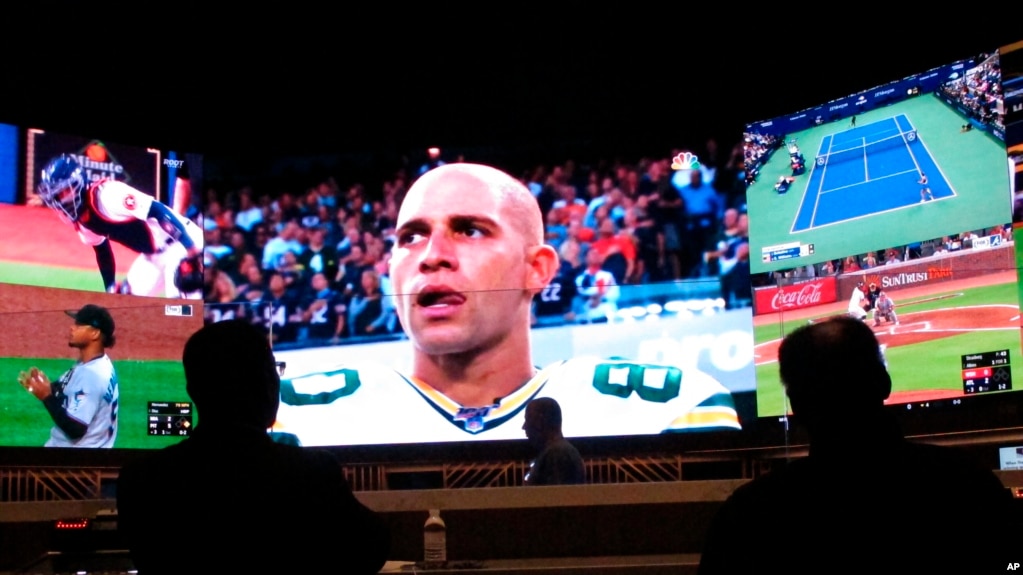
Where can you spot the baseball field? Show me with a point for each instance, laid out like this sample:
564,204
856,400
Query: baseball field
39,249
146,357
937,326
867,198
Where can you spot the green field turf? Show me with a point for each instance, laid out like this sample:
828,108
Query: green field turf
25,422
972,162
51,276
928,365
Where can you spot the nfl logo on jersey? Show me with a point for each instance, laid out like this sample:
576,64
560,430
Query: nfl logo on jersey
473,417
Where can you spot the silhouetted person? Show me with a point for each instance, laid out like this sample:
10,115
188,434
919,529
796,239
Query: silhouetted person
558,461
228,499
864,499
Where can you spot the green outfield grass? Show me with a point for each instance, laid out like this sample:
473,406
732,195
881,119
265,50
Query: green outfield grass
25,422
928,365
51,276
972,162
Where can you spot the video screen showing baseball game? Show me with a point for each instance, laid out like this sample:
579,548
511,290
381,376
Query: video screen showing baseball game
1012,86
100,286
428,300
893,205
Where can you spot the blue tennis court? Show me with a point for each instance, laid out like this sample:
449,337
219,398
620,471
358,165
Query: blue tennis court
868,170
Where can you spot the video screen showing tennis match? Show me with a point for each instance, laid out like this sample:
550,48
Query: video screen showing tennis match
893,207
402,313
95,239
915,159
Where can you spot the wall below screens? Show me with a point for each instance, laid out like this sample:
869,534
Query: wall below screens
502,527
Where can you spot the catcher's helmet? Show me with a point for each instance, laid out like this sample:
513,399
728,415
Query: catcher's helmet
62,184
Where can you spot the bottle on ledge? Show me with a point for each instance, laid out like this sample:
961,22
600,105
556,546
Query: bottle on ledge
435,542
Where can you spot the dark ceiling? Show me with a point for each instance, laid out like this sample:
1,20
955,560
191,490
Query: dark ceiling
311,84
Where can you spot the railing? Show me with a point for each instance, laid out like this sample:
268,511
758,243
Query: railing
34,484
53,484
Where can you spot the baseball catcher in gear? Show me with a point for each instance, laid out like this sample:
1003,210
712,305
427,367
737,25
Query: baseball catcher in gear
885,310
103,210
188,277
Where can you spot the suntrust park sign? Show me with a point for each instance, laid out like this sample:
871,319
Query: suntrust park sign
796,296
909,278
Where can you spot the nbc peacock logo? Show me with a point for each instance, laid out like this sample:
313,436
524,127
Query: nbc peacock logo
685,161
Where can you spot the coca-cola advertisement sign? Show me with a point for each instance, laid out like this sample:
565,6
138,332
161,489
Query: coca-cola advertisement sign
796,296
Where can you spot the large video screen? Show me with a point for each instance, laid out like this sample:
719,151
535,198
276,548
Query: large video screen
919,158
85,222
645,327
894,205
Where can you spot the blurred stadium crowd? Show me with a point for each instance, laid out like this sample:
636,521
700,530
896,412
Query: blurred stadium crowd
309,262
979,91
936,247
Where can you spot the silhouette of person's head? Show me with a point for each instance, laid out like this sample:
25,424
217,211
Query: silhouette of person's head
231,376
543,421
834,375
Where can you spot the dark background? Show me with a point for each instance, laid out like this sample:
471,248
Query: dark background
261,82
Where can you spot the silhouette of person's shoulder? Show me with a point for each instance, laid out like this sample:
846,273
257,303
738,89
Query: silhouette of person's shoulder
907,504
865,498
246,504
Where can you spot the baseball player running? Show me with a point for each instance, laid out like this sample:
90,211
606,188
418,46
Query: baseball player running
83,402
169,245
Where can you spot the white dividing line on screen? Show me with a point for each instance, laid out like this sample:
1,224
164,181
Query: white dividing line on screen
870,215
866,169
820,186
936,165
909,149
806,190
861,183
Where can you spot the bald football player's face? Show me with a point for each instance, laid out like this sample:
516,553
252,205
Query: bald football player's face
462,266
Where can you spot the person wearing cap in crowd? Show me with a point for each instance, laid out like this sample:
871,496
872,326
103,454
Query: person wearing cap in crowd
83,402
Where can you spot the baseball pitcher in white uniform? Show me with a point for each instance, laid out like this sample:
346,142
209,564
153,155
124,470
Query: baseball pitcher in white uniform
83,402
